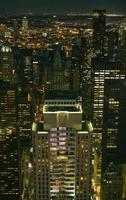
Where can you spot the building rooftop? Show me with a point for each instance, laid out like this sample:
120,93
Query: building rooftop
106,64
62,108
60,95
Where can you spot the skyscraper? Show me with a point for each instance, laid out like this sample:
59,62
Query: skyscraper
103,70
113,140
62,151
9,161
56,74
99,29
24,24
7,71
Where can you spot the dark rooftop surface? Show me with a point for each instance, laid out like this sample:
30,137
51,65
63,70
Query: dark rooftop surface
62,108
61,95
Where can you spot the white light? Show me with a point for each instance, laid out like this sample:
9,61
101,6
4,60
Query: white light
29,165
42,132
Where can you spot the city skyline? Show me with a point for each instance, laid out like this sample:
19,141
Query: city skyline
63,106
62,6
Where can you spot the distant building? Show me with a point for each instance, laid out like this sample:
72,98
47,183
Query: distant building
24,24
99,29
7,71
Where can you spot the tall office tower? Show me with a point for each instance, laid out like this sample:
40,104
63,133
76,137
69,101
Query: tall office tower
111,44
102,70
37,77
122,34
41,175
86,84
75,68
24,121
99,29
27,174
84,164
62,151
24,24
24,118
9,171
56,74
15,29
122,42
6,64
23,62
114,140
28,71
25,110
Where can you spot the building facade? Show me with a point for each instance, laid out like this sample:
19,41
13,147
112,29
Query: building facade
62,152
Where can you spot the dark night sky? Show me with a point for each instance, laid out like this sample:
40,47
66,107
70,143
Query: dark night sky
60,5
